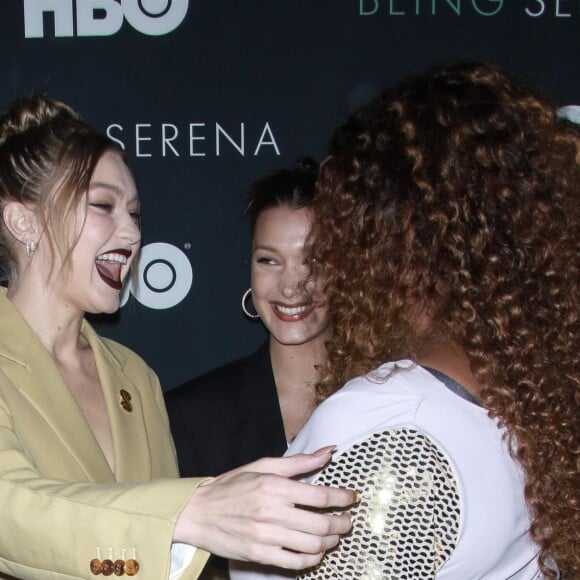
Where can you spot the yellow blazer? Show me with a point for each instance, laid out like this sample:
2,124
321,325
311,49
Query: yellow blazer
59,499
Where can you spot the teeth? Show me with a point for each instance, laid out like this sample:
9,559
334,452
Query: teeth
117,258
292,311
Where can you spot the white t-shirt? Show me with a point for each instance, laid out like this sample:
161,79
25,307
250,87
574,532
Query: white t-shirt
441,496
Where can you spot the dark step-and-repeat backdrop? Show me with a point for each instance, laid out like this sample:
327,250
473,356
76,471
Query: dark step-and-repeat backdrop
209,95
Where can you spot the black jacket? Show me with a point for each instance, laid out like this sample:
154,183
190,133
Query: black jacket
227,417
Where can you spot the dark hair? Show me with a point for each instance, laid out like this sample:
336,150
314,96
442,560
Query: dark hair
293,188
456,195
47,159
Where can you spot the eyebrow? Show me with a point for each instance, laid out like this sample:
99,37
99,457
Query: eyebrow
110,187
265,247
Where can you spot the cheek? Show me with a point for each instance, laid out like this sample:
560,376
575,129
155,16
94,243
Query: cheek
91,233
323,319
262,283
318,285
316,290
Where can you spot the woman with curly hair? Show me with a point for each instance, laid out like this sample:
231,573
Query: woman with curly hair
447,225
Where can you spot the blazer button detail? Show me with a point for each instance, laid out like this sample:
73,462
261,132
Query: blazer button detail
107,567
131,567
126,400
119,567
95,566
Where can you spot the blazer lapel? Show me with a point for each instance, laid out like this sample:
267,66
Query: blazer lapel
259,402
132,455
36,375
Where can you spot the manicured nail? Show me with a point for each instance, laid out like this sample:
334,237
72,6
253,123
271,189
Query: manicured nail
325,450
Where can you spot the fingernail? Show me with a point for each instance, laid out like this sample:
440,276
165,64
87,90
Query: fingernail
356,496
325,450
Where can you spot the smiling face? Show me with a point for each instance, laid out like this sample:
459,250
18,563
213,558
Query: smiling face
108,241
286,294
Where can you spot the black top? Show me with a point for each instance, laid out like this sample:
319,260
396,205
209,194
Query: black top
227,417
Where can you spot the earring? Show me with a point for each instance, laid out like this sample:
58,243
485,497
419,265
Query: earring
246,311
30,247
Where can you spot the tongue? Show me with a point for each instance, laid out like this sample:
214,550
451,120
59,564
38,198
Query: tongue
111,270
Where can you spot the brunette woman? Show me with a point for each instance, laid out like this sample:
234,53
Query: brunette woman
253,407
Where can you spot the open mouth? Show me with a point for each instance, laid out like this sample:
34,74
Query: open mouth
292,313
109,267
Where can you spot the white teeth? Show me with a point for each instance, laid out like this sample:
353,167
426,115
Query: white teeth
292,311
118,258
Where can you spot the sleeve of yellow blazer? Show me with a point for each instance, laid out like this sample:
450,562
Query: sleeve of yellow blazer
52,528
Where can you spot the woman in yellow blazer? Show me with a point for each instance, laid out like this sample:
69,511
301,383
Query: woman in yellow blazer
87,465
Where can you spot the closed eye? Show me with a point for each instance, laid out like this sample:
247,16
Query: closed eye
267,261
103,206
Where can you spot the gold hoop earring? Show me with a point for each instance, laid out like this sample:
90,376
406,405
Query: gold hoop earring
246,311
30,247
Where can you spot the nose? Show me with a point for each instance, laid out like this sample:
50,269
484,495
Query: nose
293,282
129,230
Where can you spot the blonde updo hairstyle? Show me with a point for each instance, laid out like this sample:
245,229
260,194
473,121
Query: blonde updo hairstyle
47,159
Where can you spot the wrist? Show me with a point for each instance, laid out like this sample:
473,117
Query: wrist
188,525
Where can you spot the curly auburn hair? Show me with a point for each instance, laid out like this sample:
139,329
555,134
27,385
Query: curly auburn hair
457,194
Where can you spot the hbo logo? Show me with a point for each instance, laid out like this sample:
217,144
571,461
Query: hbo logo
103,17
164,277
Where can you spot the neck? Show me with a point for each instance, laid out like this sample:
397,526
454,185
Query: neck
450,358
56,325
294,365
295,375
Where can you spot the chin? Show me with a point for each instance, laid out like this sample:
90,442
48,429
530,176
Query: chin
104,308
294,340
297,336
